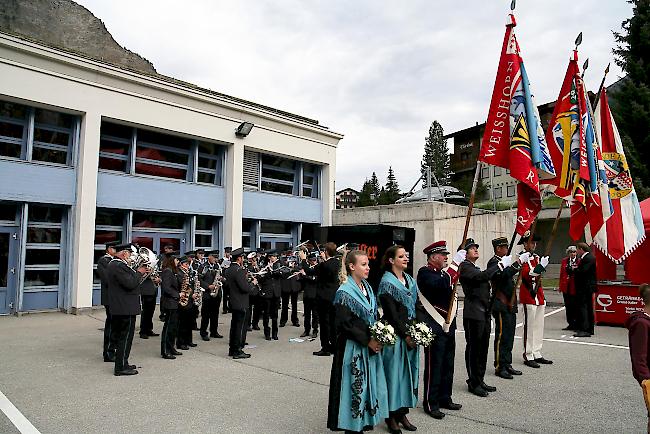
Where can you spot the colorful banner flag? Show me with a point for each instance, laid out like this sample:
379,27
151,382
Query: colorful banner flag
623,232
513,136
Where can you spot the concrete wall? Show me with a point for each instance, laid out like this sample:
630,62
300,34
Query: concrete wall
435,221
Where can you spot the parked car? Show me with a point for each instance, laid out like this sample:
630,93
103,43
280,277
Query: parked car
451,195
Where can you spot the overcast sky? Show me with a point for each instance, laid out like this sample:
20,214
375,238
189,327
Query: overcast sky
379,72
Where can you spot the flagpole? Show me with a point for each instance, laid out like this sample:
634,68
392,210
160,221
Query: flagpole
468,217
520,276
551,238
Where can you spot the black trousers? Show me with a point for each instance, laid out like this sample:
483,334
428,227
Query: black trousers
326,315
185,326
256,309
439,368
570,310
585,313
293,296
146,317
238,330
226,298
169,332
122,330
477,335
270,311
311,314
210,315
504,338
109,344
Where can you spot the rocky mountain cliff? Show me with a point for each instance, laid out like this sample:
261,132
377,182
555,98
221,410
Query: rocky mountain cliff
70,26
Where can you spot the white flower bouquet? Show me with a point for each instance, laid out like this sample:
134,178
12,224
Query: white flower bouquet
383,333
420,333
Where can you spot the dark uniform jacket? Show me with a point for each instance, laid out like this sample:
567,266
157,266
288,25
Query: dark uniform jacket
169,289
101,271
290,285
437,287
503,286
585,277
240,287
147,287
476,286
123,283
309,286
207,273
327,276
271,282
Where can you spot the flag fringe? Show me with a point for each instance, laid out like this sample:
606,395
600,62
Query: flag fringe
626,255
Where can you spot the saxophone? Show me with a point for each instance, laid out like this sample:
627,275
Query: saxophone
197,293
216,283
186,291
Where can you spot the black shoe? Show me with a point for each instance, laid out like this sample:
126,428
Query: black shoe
256,327
408,426
249,329
544,361
144,336
478,391
531,363
183,347
568,328
314,334
436,414
130,367
275,338
241,355
216,336
205,337
582,335
282,324
503,373
322,353
488,388
512,371
450,405
304,334
174,352
109,359
296,324
125,372
393,426
153,334
168,357
268,338
192,344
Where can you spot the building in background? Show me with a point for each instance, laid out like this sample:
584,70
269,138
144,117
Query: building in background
347,198
91,152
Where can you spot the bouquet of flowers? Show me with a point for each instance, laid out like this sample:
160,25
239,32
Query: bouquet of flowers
420,333
383,333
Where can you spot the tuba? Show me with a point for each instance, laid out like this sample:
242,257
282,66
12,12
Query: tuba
143,257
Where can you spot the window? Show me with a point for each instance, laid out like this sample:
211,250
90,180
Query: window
51,133
109,226
210,163
203,232
275,227
162,155
497,171
43,248
485,172
310,180
498,192
510,191
8,212
278,174
114,146
142,220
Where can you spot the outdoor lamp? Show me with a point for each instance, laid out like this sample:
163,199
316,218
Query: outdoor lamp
244,129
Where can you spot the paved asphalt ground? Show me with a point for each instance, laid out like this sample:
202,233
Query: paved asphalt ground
52,372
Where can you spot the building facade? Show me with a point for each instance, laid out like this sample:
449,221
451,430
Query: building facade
91,153
347,198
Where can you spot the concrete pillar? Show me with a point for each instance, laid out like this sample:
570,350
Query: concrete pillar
83,215
234,185
328,192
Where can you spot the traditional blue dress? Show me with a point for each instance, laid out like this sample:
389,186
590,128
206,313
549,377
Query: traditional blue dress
401,364
358,398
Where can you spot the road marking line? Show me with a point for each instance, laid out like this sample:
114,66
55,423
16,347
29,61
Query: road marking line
593,344
553,312
16,417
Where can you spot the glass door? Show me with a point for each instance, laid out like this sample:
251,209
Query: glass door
7,270
156,241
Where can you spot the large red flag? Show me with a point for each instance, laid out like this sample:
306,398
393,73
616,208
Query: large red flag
506,141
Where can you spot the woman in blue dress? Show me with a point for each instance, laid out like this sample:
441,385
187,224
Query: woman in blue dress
357,396
398,297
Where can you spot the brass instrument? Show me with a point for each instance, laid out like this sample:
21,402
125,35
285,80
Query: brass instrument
217,283
143,257
185,291
197,292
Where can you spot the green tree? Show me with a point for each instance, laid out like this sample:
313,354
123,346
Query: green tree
375,189
631,104
436,155
390,193
365,195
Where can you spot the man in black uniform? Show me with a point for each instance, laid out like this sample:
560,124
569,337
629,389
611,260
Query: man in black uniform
504,308
271,293
327,276
124,302
168,249
476,316
240,289
148,293
585,281
109,346
208,273
309,288
290,289
435,282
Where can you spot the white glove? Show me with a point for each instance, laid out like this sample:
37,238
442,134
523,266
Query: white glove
544,261
524,257
460,256
505,262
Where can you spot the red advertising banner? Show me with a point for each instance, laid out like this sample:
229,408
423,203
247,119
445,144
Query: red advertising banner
615,302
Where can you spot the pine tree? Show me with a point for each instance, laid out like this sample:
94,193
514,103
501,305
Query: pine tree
375,189
365,198
436,155
390,193
631,105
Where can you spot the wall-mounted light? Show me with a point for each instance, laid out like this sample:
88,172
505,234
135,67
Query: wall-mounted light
244,129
